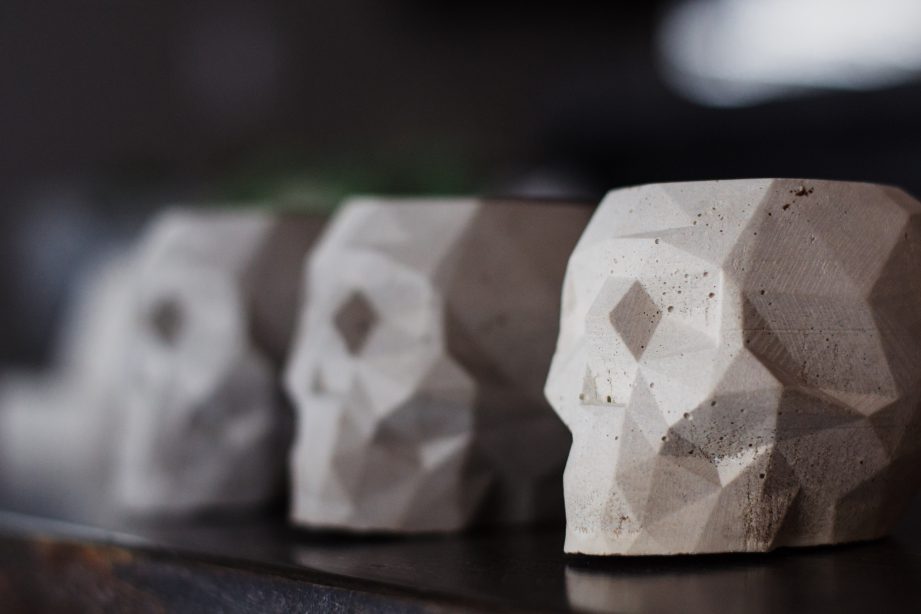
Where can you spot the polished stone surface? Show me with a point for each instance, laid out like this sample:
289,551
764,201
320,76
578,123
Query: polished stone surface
251,564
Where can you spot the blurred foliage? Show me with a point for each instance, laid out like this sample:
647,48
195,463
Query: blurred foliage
285,182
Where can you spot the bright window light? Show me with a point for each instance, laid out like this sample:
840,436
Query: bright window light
740,52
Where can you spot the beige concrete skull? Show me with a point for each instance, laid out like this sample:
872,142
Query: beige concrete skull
738,363
419,364
205,424
166,397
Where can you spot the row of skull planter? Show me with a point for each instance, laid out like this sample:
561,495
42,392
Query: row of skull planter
737,363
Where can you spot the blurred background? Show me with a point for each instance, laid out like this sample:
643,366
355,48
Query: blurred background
111,109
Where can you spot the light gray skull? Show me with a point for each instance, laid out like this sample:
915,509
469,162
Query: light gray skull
57,427
205,424
419,364
738,365
167,395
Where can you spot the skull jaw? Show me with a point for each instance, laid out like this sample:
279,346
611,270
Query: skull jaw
739,517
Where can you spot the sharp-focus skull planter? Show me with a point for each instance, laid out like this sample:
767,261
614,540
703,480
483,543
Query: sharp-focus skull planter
205,424
419,364
739,364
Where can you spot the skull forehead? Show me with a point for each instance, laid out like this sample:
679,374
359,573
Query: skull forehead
719,255
220,237
718,221
419,234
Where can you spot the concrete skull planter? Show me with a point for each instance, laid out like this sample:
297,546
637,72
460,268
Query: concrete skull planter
205,424
168,397
739,363
419,364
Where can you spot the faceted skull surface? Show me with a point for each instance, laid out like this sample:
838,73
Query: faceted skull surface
738,363
419,365
205,425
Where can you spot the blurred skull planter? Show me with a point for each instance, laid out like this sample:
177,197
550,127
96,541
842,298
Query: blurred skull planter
419,364
739,364
57,427
206,425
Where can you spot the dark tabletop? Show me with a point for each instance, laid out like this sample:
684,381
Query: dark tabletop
247,564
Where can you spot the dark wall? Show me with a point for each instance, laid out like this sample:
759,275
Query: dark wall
109,109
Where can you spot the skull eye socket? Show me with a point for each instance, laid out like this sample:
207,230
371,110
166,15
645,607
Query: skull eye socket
355,320
167,320
635,318
318,383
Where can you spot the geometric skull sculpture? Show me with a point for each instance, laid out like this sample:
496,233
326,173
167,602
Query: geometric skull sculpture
419,364
204,421
167,397
57,426
739,363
